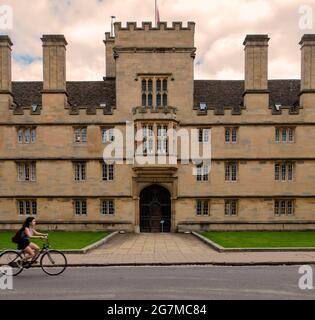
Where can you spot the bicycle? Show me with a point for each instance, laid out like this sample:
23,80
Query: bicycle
52,262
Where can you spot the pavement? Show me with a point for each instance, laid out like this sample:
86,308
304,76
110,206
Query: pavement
177,249
161,283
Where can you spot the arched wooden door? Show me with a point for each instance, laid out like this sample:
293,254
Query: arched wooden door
155,208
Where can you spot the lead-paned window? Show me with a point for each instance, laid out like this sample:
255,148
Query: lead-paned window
230,207
284,171
108,135
80,207
231,135
80,135
107,172
202,172
26,171
27,207
231,171
26,135
284,135
202,207
107,207
79,171
284,207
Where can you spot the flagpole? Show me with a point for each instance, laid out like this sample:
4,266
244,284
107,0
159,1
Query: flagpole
155,12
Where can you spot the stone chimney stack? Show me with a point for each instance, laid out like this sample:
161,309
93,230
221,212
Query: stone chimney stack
54,55
5,70
256,94
308,64
110,60
256,63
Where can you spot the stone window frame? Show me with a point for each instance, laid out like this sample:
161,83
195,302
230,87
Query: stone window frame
107,134
108,171
284,171
79,171
80,135
202,206
80,207
202,172
150,137
26,134
162,141
23,205
107,202
155,95
26,171
230,206
231,171
230,133
284,207
287,132
204,135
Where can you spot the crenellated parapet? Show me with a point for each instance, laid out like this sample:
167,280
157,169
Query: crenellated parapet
174,36
109,37
147,26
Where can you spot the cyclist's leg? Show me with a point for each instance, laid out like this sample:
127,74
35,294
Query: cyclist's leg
34,247
28,253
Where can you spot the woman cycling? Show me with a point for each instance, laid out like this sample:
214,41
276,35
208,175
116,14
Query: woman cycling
28,232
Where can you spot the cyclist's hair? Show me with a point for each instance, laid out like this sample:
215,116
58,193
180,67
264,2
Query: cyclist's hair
27,222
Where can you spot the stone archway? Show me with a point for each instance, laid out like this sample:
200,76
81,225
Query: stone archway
155,207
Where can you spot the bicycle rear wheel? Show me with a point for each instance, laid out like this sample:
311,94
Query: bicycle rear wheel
12,259
53,262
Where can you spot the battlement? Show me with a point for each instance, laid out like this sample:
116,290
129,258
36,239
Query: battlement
148,35
147,25
108,37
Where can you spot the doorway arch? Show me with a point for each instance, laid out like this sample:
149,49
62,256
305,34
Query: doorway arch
155,209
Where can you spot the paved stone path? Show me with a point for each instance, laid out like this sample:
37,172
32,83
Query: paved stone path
174,248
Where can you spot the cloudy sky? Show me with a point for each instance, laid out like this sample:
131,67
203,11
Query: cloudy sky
221,27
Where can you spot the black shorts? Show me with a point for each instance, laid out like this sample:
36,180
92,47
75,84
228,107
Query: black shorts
24,243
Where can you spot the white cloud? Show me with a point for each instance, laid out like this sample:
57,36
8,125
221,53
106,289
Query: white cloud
220,30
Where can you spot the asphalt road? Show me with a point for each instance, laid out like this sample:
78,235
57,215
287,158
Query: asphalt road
161,283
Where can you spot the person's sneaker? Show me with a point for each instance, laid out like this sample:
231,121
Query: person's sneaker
15,264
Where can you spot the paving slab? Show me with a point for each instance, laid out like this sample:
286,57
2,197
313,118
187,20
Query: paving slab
176,249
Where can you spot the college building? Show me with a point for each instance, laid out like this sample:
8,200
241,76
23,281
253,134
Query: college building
261,133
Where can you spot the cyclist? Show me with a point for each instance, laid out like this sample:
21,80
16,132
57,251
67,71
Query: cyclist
28,232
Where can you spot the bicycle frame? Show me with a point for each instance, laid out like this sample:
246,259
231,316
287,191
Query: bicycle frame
44,249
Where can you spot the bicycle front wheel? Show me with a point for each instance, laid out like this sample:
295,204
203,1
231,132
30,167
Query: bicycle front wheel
11,259
53,262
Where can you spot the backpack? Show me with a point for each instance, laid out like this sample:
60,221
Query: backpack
17,237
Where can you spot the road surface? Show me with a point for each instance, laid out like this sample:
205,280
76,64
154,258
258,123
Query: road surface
156,283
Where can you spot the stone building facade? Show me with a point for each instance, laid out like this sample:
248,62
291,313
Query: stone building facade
261,133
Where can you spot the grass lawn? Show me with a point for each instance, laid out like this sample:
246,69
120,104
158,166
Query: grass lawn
263,239
58,240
